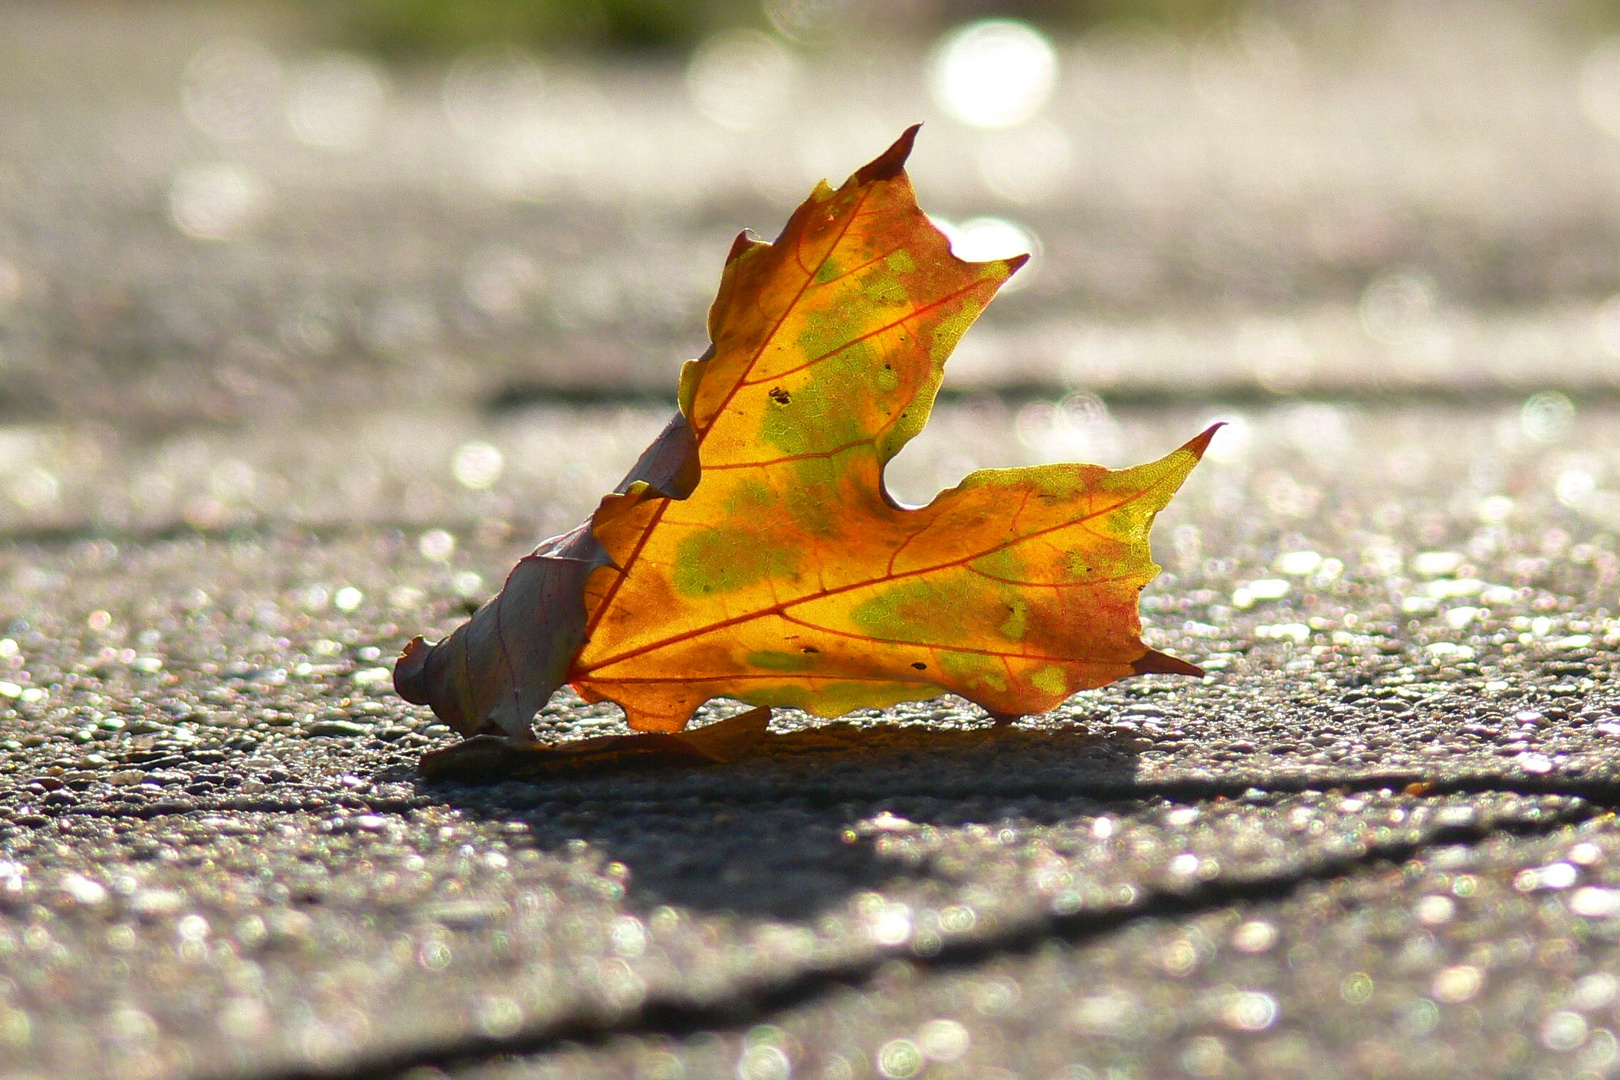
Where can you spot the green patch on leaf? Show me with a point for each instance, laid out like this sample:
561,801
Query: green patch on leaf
781,661
716,561
1016,625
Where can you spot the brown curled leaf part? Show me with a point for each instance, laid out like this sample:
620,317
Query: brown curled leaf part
497,669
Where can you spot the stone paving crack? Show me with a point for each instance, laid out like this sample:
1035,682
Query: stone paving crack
676,1018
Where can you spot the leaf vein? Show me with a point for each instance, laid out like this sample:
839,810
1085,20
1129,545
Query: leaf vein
734,620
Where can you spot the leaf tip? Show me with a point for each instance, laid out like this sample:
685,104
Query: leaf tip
890,163
1201,442
746,241
1155,662
408,672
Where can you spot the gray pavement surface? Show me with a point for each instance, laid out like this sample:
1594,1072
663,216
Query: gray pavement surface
1376,838
248,448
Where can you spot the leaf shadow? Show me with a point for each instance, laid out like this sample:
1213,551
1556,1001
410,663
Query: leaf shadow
774,835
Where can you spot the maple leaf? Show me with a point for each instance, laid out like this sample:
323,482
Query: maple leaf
753,552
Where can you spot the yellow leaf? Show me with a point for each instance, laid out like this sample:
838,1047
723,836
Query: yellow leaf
754,554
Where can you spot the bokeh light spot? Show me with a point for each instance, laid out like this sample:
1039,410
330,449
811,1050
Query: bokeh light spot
993,73
900,1059
1255,936
436,545
1547,417
216,201
1454,985
1250,1011
943,1040
764,1062
477,465
741,78
335,101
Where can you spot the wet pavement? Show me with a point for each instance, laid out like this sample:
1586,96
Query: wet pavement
238,470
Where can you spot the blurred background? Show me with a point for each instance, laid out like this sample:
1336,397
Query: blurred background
434,265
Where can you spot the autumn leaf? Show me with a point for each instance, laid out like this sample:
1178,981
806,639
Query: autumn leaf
753,552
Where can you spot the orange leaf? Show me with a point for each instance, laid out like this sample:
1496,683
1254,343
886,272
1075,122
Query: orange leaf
753,553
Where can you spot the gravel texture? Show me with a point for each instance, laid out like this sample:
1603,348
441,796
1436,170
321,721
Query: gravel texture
218,859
